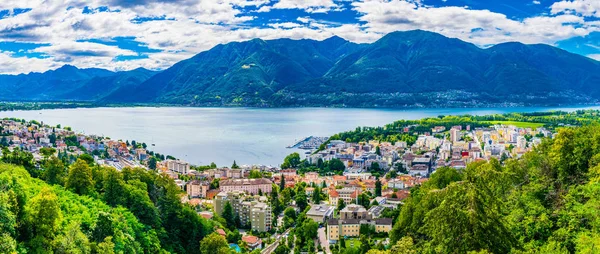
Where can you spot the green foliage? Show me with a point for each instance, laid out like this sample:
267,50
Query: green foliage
214,244
54,171
80,179
291,161
545,202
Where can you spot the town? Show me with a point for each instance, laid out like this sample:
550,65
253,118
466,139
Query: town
343,194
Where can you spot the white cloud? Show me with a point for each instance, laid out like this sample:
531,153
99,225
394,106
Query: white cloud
595,56
481,27
588,8
310,6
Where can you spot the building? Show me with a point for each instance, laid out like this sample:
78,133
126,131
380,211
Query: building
252,186
178,166
260,214
253,211
337,228
454,134
376,211
348,194
353,211
197,188
396,184
320,213
252,242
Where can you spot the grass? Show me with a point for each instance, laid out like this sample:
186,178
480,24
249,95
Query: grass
355,241
518,124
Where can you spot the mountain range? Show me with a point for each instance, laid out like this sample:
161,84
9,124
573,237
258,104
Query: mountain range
413,68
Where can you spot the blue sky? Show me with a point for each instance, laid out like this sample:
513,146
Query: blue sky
39,35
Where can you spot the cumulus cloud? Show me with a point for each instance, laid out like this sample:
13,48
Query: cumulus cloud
588,8
481,27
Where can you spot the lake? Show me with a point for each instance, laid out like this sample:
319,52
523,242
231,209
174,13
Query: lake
222,135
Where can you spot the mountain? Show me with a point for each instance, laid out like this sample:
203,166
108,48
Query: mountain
413,68
68,83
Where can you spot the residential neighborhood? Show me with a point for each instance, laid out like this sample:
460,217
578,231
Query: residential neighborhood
262,204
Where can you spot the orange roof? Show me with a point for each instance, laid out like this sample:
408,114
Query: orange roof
250,239
334,193
339,178
195,201
221,232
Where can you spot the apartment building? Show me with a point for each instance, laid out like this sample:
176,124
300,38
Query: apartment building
252,186
253,211
178,166
337,228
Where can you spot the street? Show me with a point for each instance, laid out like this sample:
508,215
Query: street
323,240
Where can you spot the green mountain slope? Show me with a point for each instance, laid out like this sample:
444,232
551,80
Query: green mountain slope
402,68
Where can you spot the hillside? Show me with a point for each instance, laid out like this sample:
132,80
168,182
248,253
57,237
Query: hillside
117,215
413,68
68,83
401,69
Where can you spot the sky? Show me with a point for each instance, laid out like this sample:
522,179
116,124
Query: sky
119,35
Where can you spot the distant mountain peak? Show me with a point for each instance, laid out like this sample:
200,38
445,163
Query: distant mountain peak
335,38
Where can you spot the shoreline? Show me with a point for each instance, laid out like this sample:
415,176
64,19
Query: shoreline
50,105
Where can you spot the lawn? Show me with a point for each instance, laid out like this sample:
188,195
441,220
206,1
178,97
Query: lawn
518,124
355,241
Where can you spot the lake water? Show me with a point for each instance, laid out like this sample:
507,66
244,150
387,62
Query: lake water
222,135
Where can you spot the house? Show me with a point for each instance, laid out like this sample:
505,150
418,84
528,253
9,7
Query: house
320,213
252,242
197,188
353,211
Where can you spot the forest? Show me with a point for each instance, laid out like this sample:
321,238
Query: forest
86,208
545,202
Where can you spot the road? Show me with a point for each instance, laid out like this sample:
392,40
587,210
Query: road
323,240
269,249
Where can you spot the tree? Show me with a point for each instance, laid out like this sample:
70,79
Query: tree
73,241
80,178
215,183
282,249
364,200
366,244
282,183
214,244
301,200
291,161
255,174
336,165
47,151
316,197
229,215
378,188
106,247
375,167
234,236
378,150
113,187
152,163
341,204
43,219
4,141
54,171
235,165
87,158
404,245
